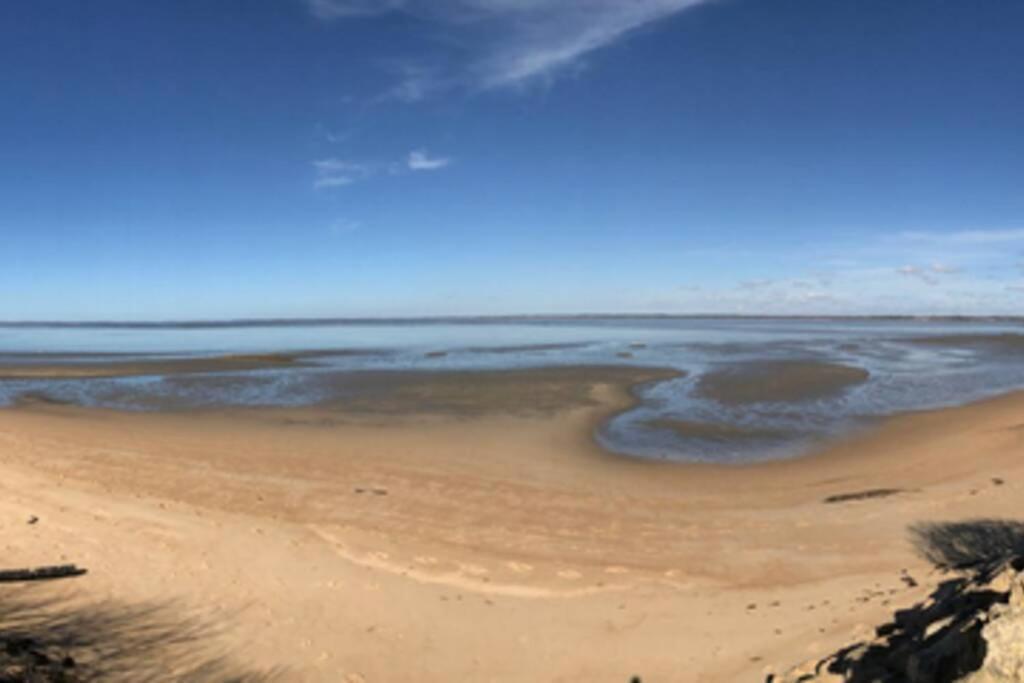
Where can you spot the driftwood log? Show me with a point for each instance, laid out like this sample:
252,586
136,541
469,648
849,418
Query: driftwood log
59,571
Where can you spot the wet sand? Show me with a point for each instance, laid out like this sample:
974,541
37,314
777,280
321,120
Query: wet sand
526,348
466,393
58,366
490,538
1007,342
45,368
717,431
788,381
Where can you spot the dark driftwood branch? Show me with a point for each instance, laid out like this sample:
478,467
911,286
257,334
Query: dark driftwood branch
59,571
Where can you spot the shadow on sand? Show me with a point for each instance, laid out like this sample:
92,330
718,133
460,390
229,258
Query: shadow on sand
968,545
46,639
938,640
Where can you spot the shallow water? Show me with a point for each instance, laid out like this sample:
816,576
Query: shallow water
807,372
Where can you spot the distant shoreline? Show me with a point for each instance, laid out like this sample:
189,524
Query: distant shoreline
483,319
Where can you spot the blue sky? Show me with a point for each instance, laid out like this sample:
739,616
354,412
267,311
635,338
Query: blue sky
196,159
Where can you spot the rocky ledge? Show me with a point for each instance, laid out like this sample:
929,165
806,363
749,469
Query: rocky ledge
970,629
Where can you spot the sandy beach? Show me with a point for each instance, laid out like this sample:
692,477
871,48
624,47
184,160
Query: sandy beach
454,530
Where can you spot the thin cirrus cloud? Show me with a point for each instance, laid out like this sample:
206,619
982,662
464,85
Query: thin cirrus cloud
338,172
419,160
334,172
930,275
511,42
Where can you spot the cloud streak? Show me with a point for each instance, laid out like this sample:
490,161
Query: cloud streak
929,275
339,172
961,272
419,160
333,172
509,43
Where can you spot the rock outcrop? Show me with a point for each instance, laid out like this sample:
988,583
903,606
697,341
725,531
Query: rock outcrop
970,629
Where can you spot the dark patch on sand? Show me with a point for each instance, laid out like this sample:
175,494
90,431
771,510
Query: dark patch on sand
862,495
37,398
786,381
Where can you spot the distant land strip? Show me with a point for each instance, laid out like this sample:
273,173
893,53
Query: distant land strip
479,319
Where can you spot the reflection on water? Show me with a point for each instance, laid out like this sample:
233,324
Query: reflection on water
799,380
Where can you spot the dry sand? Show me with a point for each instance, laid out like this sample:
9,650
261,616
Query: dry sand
495,545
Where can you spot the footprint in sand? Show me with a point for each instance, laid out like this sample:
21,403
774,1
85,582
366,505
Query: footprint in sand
473,569
421,559
569,574
519,567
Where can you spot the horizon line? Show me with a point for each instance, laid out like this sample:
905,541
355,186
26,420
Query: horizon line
484,318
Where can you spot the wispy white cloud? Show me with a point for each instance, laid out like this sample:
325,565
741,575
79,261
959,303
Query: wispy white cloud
549,36
335,172
509,42
976,273
928,274
336,138
415,82
756,284
419,160
332,181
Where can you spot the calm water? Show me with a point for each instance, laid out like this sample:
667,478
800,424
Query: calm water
962,363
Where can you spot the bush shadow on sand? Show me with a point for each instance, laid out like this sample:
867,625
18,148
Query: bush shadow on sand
54,639
968,545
